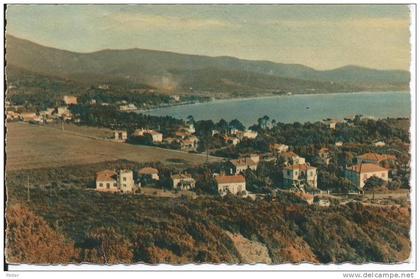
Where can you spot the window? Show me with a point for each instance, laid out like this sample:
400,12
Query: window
101,184
124,178
108,186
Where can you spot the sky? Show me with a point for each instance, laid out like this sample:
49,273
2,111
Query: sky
319,36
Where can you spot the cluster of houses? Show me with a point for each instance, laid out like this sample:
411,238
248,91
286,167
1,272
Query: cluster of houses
183,137
124,181
18,113
124,106
297,173
235,136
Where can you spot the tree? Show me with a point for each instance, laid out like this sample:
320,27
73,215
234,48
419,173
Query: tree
190,119
222,126
236,124
372,184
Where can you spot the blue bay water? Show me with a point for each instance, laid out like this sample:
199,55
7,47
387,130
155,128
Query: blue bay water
296,108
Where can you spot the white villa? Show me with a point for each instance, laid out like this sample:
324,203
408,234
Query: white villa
120,136
332,123
112,181
70,100
127,108
249,134
299,175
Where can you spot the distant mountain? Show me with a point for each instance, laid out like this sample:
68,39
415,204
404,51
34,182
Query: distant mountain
173,71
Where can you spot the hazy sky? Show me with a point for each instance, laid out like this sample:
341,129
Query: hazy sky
322,37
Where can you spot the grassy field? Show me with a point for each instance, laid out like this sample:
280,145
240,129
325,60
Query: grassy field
33,146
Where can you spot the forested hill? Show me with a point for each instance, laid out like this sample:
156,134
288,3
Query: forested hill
173,71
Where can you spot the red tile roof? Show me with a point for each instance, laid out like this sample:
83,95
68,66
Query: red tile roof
152,132
324,150
222,179
243,162
148,170
106,175
289,154
305,196
376,157
366,167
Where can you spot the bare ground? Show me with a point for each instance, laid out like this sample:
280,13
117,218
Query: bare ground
251,252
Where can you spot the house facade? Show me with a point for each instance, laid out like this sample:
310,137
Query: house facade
113,181
156,136
358,174
278,148
151,172
242,164
234,184
300,175
182,181
189,144
120,136
125,180
325,155
292,158
70,100
128,108
332,123
249,134
28,116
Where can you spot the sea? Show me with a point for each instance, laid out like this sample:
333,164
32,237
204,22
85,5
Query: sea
296,108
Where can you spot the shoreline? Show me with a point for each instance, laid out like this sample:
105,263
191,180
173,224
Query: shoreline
230,99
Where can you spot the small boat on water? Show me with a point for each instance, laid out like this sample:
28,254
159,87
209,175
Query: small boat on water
307,107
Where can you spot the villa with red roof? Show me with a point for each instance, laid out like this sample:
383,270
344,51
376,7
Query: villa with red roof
375,158
359,173
112,181
151,172
231,184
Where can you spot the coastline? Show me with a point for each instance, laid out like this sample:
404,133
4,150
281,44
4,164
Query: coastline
230,99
